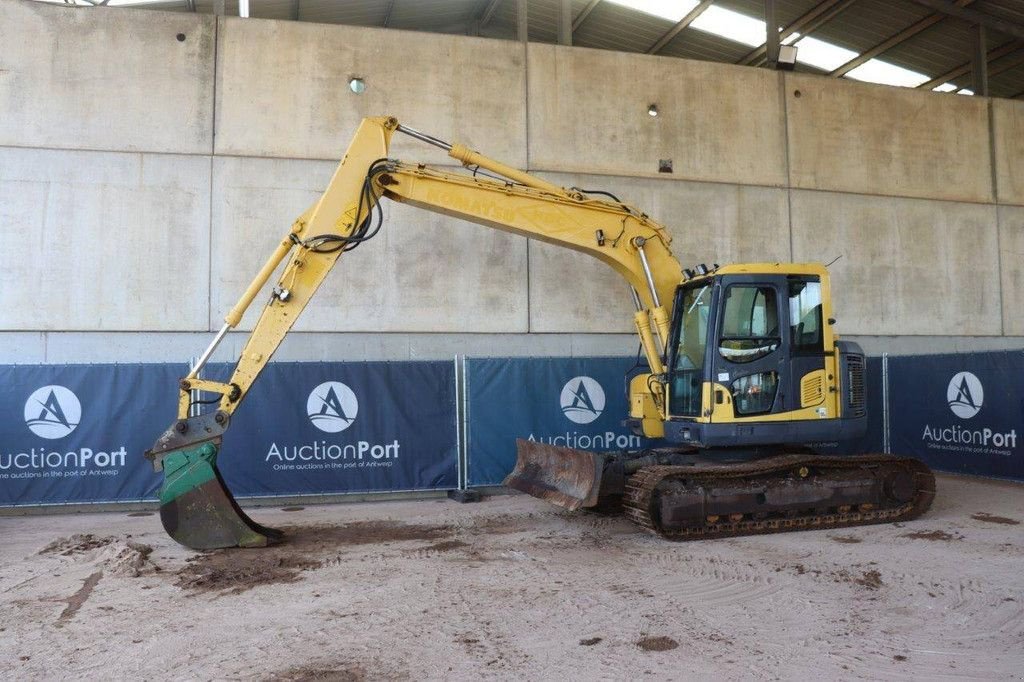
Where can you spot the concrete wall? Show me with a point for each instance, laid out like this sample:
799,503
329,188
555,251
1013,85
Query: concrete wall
144,177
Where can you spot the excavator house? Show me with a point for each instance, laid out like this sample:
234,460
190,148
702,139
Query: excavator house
744,371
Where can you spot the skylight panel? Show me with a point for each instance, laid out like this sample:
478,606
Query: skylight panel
822,55
749,31
673,10
877,71
731,25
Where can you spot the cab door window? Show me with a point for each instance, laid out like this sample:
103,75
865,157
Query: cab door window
750,323
805,316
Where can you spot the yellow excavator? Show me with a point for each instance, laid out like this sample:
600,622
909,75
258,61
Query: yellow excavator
744,371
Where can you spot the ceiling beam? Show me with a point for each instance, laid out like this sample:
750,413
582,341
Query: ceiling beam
488,12
1000,51
979,60
811,20
771,29
679,26
565,22
522,22
987,20
584,13
892,41
1005,65
387,13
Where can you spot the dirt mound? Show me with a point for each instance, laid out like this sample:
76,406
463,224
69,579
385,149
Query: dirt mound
115,556
77,544
125,558
991,518
657,643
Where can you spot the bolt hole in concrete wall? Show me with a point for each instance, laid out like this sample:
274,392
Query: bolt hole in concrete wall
180,37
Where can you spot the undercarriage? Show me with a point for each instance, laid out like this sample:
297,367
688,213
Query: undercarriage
693,494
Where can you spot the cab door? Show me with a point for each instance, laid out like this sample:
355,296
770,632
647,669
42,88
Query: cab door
749,355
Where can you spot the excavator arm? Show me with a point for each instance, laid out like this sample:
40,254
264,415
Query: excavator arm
197,510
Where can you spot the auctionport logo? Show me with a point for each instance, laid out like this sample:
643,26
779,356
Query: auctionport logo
52,412
332,407
965,395
582,400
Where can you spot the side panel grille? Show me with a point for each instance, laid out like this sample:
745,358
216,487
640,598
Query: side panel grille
812,389
855,397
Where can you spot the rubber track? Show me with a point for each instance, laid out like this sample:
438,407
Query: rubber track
640,489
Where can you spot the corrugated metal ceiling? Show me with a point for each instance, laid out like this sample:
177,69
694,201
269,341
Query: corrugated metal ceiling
863,24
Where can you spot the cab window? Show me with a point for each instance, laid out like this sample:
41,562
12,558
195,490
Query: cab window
805,315
750,323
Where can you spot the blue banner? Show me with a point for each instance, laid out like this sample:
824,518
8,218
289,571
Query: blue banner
76,433
572,402
323,428
961,413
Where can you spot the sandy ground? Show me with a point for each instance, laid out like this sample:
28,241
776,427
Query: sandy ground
513,589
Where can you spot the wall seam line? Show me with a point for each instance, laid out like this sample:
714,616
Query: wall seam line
789,176
526,135
213,152
999,220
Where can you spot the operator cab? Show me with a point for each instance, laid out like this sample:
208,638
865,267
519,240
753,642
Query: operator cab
753,360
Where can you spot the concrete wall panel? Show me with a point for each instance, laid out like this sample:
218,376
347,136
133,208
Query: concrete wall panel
1011,260
103,241
908,266
1008,128
108,79
854,137
423,271
588,114
282,90
709,223
22,348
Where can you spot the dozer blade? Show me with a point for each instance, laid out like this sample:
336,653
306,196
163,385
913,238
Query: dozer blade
563,476
196,508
